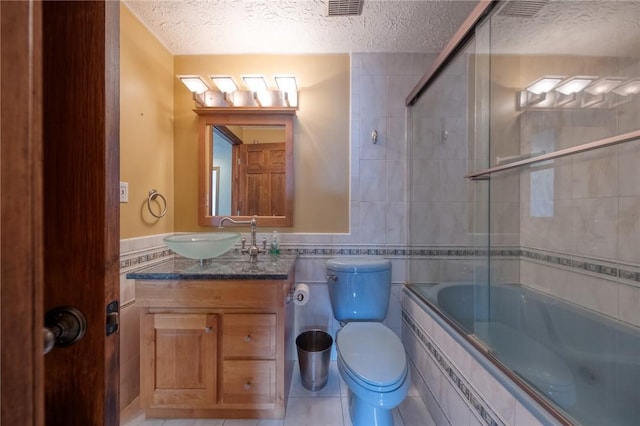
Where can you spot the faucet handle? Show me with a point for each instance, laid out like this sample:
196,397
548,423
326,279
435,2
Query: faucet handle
264,244
243,241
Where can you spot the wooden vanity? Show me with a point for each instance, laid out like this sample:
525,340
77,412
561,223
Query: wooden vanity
215,338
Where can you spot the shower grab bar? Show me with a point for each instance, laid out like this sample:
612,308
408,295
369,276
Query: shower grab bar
589,146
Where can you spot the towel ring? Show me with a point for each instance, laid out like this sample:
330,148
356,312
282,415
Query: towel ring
153,194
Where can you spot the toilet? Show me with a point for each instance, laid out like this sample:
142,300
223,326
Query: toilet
371,358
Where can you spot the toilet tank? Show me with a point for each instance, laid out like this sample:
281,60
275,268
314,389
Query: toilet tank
359,288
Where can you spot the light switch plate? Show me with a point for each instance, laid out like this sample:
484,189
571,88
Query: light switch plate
124,192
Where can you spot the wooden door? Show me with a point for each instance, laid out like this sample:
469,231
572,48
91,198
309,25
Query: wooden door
263,179
21,225
81,119
60,214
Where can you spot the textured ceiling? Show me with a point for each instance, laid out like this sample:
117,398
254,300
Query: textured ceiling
590,28
195,27
198,27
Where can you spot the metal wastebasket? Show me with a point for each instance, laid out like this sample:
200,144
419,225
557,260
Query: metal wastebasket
314,353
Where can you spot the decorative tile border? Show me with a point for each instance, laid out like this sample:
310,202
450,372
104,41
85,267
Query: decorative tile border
472,398
581,264
560,259
406,252
593,266
363,251
145,258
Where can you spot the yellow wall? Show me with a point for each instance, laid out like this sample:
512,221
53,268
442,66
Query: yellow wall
321,135
146,127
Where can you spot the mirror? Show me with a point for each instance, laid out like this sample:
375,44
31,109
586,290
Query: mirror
245,165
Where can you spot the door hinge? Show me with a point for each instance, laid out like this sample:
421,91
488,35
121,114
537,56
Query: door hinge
113,317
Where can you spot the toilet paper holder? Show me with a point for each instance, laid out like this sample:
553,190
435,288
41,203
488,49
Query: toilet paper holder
298,294
292,296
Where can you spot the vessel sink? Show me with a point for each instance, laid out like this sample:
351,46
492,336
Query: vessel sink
203,245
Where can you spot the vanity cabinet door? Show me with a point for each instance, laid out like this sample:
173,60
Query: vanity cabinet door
249,336
178,360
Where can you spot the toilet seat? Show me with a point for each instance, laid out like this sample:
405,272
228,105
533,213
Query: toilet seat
372,355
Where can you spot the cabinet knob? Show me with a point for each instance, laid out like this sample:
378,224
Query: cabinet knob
247,338
247,386
208,330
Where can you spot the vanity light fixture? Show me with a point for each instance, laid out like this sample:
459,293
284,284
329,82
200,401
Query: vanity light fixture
262,95
224,83
194,83
258,86
227,88
525,98
596,93
573,85
226,93
604,85
588,100
214,98
255,83
244,98
544,84
288,86
616,100
622,93
198,89
564,100
630,87
538,92
551,92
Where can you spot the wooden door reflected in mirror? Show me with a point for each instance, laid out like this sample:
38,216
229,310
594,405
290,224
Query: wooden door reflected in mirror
246,165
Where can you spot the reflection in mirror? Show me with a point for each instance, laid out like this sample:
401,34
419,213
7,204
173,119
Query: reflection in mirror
247,171
245,165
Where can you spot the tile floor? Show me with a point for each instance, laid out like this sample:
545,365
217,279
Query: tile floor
327,407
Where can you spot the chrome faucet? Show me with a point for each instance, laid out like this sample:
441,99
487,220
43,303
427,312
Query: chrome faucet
253,250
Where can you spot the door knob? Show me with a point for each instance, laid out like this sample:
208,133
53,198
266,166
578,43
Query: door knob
63,326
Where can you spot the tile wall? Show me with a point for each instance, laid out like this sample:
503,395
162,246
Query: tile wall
587,251
379,86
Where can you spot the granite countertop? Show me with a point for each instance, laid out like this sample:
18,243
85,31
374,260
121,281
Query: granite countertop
227,267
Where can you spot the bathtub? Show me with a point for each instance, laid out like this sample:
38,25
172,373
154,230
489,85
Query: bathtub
576,362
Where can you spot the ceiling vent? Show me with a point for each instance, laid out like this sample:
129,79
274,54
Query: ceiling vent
344,7
522,8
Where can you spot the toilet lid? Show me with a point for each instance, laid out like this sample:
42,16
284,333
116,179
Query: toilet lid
372,352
